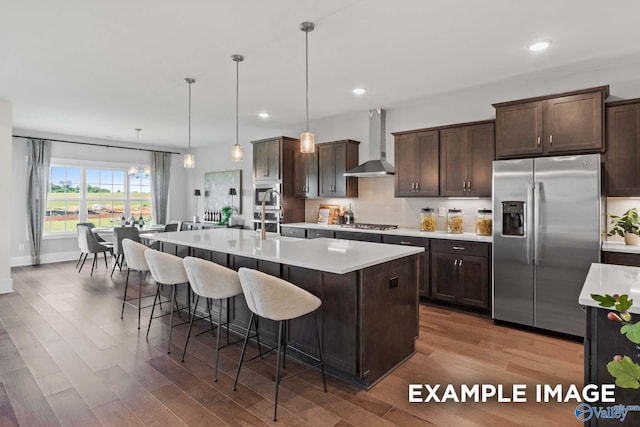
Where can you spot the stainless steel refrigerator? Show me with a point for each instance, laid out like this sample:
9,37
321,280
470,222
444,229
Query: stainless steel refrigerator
546,234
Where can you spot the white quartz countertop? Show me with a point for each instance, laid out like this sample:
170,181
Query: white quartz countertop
330,255
471,237
620,247
611,279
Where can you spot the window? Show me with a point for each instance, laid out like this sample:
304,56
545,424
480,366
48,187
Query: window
63,200
101,195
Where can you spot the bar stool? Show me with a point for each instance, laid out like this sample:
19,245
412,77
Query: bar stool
210,280
276,299
166,270
133,253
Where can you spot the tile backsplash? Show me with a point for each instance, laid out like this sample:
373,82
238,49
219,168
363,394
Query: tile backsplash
376,204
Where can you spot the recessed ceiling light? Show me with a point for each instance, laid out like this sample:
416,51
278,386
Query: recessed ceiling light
263,115
359,90
542,45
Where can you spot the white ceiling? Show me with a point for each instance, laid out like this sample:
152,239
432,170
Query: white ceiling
101,68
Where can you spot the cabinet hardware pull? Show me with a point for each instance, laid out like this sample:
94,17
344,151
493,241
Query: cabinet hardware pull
458,248
538,140
460,264
468,185
550,139
455,263
417,186
413,186
404,242
464,185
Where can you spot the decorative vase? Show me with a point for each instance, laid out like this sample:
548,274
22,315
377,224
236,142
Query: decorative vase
631,239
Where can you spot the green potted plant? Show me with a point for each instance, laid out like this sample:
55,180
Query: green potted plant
626,226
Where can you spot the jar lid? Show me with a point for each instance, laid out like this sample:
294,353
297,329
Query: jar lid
455,210
427,209
487,211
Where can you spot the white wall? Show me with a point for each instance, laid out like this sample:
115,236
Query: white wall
6,284
66,248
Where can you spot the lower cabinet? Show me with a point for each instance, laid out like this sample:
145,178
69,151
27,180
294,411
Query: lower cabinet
620,258
356,235
460,273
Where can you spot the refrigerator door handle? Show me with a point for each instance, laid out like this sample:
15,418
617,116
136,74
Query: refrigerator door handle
527,223
536,218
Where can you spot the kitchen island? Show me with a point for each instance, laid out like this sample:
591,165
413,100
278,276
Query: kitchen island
603,339
369,293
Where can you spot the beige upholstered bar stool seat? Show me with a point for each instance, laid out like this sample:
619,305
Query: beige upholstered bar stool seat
166,270
276,299
133,253
210,280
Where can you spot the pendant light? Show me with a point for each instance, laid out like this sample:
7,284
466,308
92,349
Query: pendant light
236,150
135,171
189,159
307,140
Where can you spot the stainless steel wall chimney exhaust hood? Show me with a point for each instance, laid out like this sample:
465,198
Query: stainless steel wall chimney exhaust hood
378,165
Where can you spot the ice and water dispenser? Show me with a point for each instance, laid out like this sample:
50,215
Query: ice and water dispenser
513,218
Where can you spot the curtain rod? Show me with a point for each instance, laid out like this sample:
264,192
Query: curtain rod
95,144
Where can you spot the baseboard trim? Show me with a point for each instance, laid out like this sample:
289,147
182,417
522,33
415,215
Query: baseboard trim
6,285
21,261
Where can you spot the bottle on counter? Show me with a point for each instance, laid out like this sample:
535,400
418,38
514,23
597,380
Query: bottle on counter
132,220
141,221
123,220
348,216
427,219
455,222
484,222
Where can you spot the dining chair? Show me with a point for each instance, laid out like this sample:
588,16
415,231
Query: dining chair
119,234
90,245
91,226
273,298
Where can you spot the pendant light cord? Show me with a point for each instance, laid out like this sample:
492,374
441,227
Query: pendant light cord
306,57
237,95
189,116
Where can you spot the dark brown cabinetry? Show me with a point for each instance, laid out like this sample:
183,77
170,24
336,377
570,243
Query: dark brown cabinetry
316,234
416,164
423,278
293,232
266,159
305,174
551,125
460,272
466,154
334,159
623,148
620,258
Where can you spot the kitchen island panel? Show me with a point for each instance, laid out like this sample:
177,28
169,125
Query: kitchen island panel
389,316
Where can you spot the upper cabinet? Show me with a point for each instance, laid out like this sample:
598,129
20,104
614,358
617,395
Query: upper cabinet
416,163
623,148
552,125
334,159
466,156
305,174
266,159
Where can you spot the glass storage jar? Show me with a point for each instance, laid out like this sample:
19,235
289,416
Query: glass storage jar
427,219
455,223
484,222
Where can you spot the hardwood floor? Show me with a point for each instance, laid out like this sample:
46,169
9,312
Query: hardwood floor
66,358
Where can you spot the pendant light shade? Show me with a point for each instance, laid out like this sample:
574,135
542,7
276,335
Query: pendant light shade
189,159
307,140
136,171
236,150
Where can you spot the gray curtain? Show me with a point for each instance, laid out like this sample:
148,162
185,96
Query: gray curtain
160,175
39,159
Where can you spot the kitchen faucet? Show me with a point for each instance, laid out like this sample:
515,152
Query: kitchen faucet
263,231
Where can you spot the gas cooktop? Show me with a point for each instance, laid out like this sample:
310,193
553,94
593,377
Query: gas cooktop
366,226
